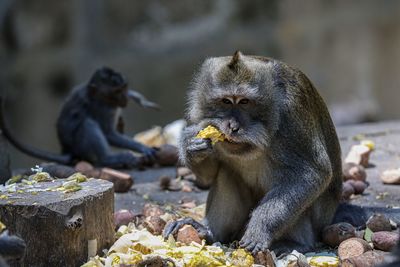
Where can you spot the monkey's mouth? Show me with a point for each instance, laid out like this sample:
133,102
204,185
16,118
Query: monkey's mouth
234,144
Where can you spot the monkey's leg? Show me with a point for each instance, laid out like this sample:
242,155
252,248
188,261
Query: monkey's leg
299,237
229,204
119,140
283,205
93,146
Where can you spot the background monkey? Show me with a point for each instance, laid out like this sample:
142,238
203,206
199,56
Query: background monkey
90,122
276,182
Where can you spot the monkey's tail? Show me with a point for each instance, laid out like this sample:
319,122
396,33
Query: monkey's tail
30,150
358,216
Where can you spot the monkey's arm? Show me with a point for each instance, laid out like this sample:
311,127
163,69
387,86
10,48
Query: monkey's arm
123,141
141,100
197,154
296,188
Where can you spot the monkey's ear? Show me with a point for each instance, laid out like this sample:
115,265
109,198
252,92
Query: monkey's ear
233,64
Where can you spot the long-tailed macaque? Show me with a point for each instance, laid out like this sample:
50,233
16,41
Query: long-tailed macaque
276,180
90,122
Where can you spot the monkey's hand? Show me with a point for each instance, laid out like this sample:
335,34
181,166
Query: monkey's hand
198,154
149,155
173,228
198,149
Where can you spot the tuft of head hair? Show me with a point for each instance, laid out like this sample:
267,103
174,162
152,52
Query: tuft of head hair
106,75
235,71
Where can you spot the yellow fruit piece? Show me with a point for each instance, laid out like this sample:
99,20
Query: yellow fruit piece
202,260
324,261
368,143
242,258
41,177
210,132
77,177
116,261
2,227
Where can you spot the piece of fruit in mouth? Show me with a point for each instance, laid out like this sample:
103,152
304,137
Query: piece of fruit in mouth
210,132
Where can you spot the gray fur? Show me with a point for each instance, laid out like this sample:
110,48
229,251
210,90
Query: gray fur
281,185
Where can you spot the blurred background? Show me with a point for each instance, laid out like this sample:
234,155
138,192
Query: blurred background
349,49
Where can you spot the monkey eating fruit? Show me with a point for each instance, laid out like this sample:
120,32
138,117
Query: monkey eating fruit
275,180
90,122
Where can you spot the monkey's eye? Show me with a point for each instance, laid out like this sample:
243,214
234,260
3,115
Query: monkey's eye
226,101
244,101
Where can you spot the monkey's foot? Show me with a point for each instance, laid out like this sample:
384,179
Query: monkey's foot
173,228
254,241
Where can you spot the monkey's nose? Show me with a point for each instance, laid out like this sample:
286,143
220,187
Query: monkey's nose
234,126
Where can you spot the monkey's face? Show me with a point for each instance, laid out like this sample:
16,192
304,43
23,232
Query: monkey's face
236,116
236,96
119,96
109,87
112,96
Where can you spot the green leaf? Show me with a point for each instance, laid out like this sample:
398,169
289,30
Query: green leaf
368,235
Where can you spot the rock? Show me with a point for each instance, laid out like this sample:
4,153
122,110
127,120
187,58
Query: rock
121,180
154,261
167,183
353,247
347,191
187,234
164,182
264,258
189,204
83,167
391,176
183,171
367,259
167,155
12,247
359,154
352,171
360,234
154,224
358,186
385,241
152,210
123,217
335,234
186,188
379,222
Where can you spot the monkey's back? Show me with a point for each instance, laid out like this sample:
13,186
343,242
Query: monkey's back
72,114
320,129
